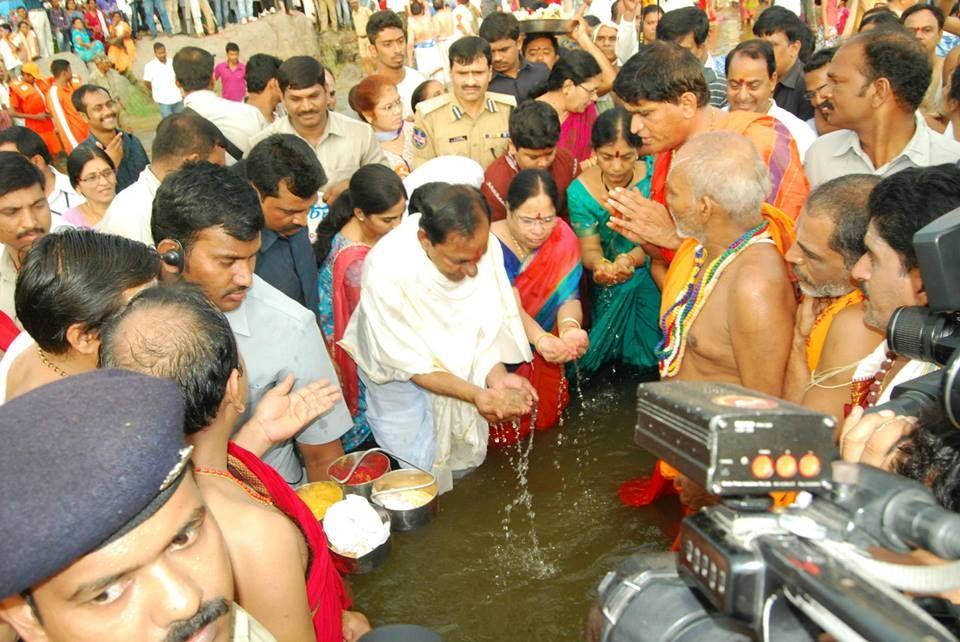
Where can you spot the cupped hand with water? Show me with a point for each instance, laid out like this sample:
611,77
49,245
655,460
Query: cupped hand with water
504,404
577,341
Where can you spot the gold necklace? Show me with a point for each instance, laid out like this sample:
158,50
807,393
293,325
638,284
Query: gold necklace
256,496
607,189
525,252
45,361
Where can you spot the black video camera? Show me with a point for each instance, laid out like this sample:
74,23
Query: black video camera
746,573
931,333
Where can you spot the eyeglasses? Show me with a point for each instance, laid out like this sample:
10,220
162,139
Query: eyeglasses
545,221
590,90
106,175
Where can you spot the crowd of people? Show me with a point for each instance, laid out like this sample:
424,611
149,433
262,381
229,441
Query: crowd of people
189,335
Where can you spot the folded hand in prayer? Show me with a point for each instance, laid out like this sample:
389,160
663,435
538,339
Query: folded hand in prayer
642,220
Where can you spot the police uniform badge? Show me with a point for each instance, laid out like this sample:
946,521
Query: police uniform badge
419,138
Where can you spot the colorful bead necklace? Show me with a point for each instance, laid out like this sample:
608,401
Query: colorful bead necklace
677,320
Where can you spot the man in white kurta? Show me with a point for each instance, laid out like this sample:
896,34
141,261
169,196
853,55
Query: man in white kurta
414,323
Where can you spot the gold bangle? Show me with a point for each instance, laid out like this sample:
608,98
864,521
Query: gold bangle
630,258
536,344
570,320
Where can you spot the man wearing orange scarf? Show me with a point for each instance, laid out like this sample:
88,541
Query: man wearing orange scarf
728,303
663,86
829,337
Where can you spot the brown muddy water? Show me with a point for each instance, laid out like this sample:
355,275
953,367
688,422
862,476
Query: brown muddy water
499,564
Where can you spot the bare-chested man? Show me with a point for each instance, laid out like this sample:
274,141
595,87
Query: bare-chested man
443,24
728,304
174,332
422,45
830,337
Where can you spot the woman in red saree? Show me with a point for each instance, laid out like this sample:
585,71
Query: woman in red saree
542,258
371,207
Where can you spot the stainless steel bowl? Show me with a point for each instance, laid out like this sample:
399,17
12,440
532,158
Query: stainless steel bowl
340,469
406,479
365,563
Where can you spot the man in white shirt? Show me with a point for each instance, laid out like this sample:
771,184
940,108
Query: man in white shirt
436,323
160,79
61,195
342,144
877,82
180,138
239,122
388,50
751,70
207,225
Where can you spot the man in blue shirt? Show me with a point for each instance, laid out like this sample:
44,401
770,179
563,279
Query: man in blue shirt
95,106
512,73
287,176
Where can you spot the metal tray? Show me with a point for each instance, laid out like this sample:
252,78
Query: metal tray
555,26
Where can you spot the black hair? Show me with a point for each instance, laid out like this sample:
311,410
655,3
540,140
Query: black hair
373,190
27,142
418,95
78,277
300,72
202,195
593,21
185,134
416,9
662,72
676,24
574,65
157,46
904,202
932,8
438,5
898,57
80,156
615,12
613,125
58,66
17,173
529,183
650,8
500,26
932,457
383,20
845,201
537,36
534,125
819,59
284,159
232,46
193,68
467,49
779,19
260,70
458,209
880,18
81,92
755,49
424,193
186,339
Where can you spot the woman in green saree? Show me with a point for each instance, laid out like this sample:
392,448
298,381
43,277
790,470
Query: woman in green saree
625,299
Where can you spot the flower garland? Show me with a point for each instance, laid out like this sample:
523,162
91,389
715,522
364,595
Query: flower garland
677,320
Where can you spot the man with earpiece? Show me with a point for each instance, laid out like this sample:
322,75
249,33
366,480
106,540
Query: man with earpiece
207,222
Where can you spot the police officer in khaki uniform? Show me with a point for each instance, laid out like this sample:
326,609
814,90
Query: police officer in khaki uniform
471,121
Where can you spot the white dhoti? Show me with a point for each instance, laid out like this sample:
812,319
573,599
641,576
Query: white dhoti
412,321
429,60
444,45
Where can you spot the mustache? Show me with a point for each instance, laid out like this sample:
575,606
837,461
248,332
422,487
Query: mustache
825,105
32,230
208,612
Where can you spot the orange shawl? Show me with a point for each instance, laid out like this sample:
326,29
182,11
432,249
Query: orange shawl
821,327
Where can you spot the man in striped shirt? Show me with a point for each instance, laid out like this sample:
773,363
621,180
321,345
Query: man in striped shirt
689,28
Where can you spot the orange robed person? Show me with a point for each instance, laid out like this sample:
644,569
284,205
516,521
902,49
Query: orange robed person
70,127
28,101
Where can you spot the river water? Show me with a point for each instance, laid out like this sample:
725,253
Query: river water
482,573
